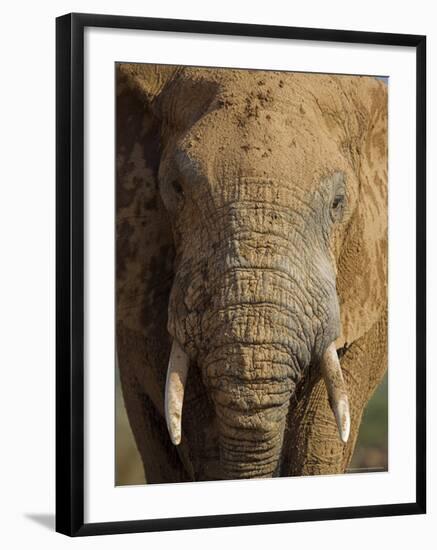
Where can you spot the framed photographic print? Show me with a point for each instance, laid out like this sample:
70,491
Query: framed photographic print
240,274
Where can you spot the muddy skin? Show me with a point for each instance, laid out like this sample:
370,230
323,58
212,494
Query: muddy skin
251,228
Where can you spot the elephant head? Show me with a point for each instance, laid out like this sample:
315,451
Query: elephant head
251,260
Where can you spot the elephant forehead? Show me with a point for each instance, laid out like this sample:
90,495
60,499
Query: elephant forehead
274,147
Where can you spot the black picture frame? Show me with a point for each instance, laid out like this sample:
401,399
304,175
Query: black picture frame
70,273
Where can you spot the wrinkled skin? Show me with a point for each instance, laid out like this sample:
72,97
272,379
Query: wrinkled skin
251,228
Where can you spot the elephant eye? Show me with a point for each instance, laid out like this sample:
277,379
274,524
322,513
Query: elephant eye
172,194
178,188
337,207
337,202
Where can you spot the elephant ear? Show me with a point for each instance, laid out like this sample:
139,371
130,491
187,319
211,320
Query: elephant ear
362,260
144,265
144,249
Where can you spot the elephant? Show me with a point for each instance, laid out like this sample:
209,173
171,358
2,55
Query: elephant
251,267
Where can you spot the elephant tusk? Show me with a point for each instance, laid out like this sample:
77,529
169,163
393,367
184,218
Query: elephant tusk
338,399
174,391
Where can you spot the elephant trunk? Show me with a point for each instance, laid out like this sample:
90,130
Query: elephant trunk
251,405
259,318
251,385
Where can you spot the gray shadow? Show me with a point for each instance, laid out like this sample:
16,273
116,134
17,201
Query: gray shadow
46,520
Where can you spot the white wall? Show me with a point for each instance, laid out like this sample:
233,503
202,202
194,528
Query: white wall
27,110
